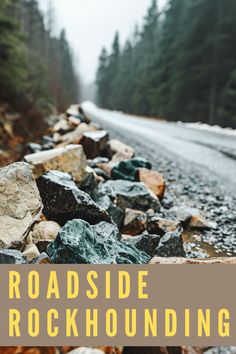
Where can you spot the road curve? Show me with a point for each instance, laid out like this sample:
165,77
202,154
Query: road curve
215,152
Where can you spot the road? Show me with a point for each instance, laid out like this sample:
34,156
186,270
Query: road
216,152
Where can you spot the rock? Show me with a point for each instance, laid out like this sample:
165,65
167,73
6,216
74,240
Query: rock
81,243
182,214
135,222
89,183
76,135
102,173
133,195
218,260
171,245
62,126
20,204
199,222
31,251
117,214
127,169
145,242
42,245
45,231
98,161
157,225
11,257
94,143
77,112
153,180
41,259
33,147
70,159
119,151
63,201
83,350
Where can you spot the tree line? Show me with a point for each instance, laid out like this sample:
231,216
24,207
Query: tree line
36,66
180,65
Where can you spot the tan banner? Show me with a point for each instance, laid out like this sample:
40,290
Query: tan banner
117,305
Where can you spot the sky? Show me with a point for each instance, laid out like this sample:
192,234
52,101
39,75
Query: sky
91,24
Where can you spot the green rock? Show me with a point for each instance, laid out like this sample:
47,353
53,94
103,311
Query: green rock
81,243
127,169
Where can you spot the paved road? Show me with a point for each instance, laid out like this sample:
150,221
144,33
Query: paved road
216,152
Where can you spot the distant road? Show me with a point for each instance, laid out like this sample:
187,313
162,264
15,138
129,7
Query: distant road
214,151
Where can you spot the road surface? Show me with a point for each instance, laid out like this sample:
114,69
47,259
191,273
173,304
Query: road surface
215,152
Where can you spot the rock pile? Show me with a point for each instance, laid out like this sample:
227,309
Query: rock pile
79,197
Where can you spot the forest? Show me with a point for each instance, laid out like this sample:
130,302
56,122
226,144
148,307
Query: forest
36,67
180,65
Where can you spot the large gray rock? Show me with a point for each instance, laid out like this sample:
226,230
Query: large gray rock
20,204
11,257
81,243
133,195
63,201
70,159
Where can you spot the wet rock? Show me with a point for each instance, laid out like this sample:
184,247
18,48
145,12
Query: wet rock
63,201
126,170
31,251
11,257
41,259
79,242
45,231
94,143
135,222
157,225
153,180
119,151
171,245
133,195
176,260
145,242
117,214
20,204
70,159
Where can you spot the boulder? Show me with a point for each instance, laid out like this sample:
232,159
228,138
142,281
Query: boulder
119,151
127,169
63,201
31,251
157,225
171,245
135,222
145,242
11,257
45,231
133,195
153,180
20,204
70,159
177,260
94,143
81,243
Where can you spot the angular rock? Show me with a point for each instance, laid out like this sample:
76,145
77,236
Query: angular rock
217,260
70,159
133,195
157,225
183,215
63,201
171,245
153,180
117,214
41,259
89,183
62,126
145,242
135,222
31,251
76,135
11,257
42,245
127,169
45,231
20,204
81,243
199,222
94,143
119,151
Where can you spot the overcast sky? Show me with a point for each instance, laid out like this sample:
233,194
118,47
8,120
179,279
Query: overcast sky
91,24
